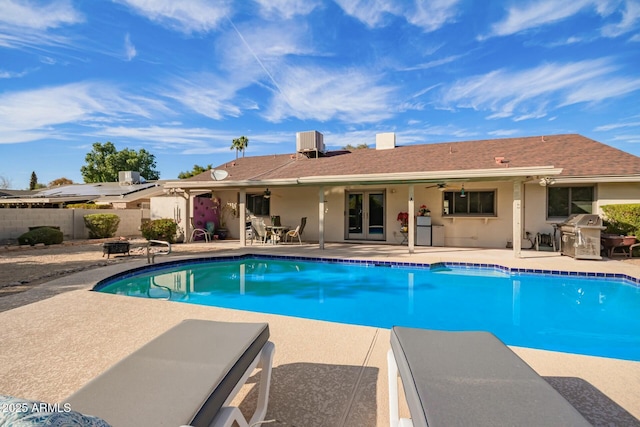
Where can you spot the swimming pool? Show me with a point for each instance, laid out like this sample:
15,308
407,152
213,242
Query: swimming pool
569,312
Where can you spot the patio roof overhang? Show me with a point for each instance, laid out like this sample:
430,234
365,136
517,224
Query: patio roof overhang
520,173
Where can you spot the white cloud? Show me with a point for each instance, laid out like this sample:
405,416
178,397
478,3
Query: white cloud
287,8
605,128
4,74
129,48
504,132
36,15
529,93
535,14
428,15
193,16
629,21
38,113
350,96
208,95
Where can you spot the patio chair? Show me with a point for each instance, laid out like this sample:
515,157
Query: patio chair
296,232
186,376
469,379
259,231
199,232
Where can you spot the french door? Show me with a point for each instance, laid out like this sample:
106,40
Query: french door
365,219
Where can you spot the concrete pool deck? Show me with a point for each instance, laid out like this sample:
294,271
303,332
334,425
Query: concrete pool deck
325,374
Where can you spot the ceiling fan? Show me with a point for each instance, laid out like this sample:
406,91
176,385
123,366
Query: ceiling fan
442,186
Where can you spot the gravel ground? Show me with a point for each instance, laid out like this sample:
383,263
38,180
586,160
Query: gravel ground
24,268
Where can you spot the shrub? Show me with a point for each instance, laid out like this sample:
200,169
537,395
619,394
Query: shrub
87,206
622,219
101,225
46,235
160,229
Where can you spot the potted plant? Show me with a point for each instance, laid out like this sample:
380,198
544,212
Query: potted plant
423,210
403,219
227,209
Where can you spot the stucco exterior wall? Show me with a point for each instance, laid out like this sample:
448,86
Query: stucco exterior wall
172,207
15,222
477,232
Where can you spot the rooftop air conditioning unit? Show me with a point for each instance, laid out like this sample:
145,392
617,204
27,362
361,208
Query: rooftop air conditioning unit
128,177
310,142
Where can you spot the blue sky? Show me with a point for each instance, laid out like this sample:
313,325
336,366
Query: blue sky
181,79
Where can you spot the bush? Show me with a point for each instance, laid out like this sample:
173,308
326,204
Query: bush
87,206
101,225
46,235
622,219
160,229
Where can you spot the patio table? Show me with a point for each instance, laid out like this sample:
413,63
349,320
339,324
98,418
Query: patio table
277,231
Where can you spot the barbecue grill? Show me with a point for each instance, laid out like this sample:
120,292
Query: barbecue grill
580,236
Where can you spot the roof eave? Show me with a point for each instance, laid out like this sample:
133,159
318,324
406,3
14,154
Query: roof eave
379,178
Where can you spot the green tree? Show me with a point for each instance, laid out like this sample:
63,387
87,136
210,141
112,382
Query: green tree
350,147
197,170
33,183
60,182
240,144
104,162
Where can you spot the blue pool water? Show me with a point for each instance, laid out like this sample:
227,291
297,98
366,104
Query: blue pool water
585,315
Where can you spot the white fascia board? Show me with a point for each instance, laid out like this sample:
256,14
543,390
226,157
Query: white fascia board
200,185
596,179
435,175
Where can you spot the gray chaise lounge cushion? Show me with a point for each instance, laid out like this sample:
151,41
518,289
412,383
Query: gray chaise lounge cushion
473,379
181,377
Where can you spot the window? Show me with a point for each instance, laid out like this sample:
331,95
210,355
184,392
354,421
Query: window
258,205
474,203
565,201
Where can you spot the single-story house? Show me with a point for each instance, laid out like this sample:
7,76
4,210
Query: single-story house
489,193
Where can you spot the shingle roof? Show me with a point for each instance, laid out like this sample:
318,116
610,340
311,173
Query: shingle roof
577,155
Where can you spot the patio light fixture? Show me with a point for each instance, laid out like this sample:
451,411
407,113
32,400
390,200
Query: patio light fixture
462,195
266,194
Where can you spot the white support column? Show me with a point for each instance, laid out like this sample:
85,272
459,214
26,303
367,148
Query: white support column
187,224
242,217
517,219
321,209
412,221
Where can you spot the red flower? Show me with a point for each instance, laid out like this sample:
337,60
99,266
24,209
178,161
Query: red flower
403,218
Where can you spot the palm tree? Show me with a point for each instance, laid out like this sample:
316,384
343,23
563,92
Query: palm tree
240,144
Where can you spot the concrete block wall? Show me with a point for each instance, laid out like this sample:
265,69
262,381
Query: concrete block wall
15,222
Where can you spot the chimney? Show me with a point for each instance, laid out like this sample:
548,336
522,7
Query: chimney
385,141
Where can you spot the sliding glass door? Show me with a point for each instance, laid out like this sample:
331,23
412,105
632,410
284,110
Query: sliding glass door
365,219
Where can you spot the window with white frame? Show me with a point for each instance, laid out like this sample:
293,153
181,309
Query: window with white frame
565,201
469,203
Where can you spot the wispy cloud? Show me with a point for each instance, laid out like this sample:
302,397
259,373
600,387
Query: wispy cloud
629,21
40,113
543,12
36,15
129,48
513,93
286,8
434,63
429,15
614,126
4,74
208,95
351,96
31,25
504,132
193,16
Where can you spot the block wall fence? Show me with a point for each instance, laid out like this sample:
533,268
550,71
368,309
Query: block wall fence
15,222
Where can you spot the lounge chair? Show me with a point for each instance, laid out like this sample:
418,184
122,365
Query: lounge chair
187,375
296,232
469,379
